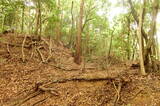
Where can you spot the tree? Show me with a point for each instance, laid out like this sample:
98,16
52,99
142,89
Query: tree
79,34
58,24
139,33
151,45
23,10
38,18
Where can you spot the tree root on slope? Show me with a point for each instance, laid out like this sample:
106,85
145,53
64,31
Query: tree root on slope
41,88
38,90
118,90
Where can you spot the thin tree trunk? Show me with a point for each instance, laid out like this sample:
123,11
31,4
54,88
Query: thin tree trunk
135,16
22,27
128,40
37,22
110,45
151,45
72,27
3,21
58,26
134,44
3,18
87,39
79,34
40,19
139,33
38,13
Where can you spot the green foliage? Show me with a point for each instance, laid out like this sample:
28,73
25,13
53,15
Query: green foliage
96,23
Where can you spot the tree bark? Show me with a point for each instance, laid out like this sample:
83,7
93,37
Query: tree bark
72,27
139,33
58,26
79,34
151,45
38,20
128,39
135,16
110,45
22,27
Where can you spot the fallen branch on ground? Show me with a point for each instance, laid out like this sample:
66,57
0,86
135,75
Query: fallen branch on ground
84,78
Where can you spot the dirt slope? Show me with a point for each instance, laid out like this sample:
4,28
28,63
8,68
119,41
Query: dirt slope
44,74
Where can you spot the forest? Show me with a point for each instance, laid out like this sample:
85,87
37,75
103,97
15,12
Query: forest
79,52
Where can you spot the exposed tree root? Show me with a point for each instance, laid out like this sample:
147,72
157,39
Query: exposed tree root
39,90
40,54
118,90
25,99
40,101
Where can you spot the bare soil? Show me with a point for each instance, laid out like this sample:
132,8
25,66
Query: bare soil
44,74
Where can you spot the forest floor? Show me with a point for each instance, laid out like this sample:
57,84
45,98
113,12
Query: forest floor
39,73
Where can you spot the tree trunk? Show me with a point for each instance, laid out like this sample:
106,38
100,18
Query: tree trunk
87,40
58,26
128,39
139,33
22,27
151,45
110,45
79,34
72,27
135,16
38,20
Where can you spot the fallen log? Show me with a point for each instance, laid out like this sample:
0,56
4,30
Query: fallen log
92,77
